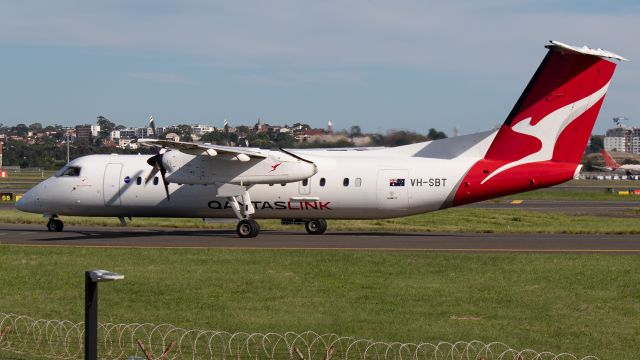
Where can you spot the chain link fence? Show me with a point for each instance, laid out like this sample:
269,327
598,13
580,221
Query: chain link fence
26,338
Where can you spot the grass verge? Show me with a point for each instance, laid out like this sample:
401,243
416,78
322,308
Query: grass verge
450,220
582,304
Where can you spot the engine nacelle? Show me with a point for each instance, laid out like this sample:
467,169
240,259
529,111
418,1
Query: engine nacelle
277,167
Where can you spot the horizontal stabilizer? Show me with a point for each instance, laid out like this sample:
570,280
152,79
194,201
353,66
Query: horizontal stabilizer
585,50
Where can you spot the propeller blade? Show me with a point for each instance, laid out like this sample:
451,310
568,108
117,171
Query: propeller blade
163,171
156,162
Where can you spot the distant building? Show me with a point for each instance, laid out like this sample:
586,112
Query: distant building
172,137
143,132
200,130
127,143
87,132
623,139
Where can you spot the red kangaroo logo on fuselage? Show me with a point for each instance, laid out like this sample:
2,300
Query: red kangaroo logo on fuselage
274,167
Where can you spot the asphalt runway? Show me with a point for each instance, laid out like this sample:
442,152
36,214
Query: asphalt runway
37,235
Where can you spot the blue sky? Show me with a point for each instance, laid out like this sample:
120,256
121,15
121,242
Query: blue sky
378,64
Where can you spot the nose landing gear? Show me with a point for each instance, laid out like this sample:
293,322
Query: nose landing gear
55,225
247,227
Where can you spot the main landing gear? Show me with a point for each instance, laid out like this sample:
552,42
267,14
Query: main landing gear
248,228
313,226
316,226
55,225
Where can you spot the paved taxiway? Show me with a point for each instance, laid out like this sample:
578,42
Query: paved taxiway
193,238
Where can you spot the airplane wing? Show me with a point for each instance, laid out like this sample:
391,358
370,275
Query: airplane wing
602,168
242,154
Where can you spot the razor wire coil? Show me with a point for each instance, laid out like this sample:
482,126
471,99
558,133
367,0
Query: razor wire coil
63,339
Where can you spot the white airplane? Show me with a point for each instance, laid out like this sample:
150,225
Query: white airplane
612,165
539,145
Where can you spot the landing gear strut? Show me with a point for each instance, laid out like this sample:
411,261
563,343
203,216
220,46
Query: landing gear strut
248,228
55,225
316,226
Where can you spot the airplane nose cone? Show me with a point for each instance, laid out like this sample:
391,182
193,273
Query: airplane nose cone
29,202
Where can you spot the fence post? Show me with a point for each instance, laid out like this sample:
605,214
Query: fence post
91,279
90,318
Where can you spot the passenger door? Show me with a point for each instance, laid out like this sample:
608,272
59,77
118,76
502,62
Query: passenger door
305,187
111,184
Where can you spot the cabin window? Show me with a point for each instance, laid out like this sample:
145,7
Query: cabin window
305,182
155,180
139,180
358,182
345,182
323,181
69,171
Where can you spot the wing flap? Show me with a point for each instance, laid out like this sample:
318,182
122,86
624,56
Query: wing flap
202,149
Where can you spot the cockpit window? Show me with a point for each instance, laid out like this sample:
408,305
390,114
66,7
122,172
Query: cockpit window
69,171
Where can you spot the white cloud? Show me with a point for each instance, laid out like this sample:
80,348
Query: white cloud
405,33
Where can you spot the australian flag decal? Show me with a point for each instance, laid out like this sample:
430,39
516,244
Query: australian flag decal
396,182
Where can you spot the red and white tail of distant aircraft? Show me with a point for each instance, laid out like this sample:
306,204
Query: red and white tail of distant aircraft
540,144
612,165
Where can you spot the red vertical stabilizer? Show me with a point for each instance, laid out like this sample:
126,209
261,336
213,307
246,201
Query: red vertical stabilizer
542,140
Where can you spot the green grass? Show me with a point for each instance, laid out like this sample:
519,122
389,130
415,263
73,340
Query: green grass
572,195
583,304
450,220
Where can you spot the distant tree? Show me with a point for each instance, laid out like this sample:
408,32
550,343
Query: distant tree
214,137
355,131
434,134
106,127
301,126
185,132
35,126
260,140
402,137
285,140
596,144
233,138
21,130
243,130
105,124
321,144
630,161
377,139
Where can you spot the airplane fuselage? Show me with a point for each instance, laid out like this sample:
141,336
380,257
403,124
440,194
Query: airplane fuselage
349,184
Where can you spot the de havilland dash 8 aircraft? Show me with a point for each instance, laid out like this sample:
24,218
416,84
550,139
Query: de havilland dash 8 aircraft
540,144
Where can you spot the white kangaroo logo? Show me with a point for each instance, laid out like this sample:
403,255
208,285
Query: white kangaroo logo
548,129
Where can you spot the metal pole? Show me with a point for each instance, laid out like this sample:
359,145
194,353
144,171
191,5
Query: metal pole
90,317
67,146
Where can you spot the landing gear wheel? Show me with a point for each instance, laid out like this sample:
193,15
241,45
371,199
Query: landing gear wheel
316,227
248,228
55,225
